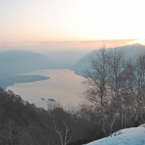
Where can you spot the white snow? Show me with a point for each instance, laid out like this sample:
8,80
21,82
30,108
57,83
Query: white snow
128,136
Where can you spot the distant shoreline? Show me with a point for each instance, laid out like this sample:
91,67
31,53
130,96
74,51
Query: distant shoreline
13,79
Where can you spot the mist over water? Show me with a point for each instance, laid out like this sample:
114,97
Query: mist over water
64,87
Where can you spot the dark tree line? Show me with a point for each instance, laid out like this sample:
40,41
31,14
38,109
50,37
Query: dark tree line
21,123
114,99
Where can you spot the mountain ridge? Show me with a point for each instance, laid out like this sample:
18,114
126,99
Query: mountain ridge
129,51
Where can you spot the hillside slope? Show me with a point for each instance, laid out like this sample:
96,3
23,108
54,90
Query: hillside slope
15,62
129,51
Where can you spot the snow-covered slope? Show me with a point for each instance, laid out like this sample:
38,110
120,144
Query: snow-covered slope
129,136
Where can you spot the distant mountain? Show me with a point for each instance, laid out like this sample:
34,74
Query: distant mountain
82,65
15,62
129,51
66,58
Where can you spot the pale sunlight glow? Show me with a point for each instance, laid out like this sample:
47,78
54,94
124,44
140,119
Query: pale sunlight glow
71,20
141,41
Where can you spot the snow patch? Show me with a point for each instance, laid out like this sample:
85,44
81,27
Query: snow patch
128,136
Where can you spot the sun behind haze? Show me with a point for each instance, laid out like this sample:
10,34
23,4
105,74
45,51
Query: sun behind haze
53,24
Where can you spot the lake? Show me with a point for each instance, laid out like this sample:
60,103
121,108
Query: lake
64,87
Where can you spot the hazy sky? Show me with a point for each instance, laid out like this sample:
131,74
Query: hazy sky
49,23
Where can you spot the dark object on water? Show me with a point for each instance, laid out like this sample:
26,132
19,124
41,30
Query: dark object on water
51,100
42,99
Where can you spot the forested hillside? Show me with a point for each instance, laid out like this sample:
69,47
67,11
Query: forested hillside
21,123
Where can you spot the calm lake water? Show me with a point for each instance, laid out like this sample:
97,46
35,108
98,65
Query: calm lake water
64,87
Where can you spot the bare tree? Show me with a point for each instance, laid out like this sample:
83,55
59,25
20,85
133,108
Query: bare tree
63,123
10,132
140,84
107,88
97,80
116,83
